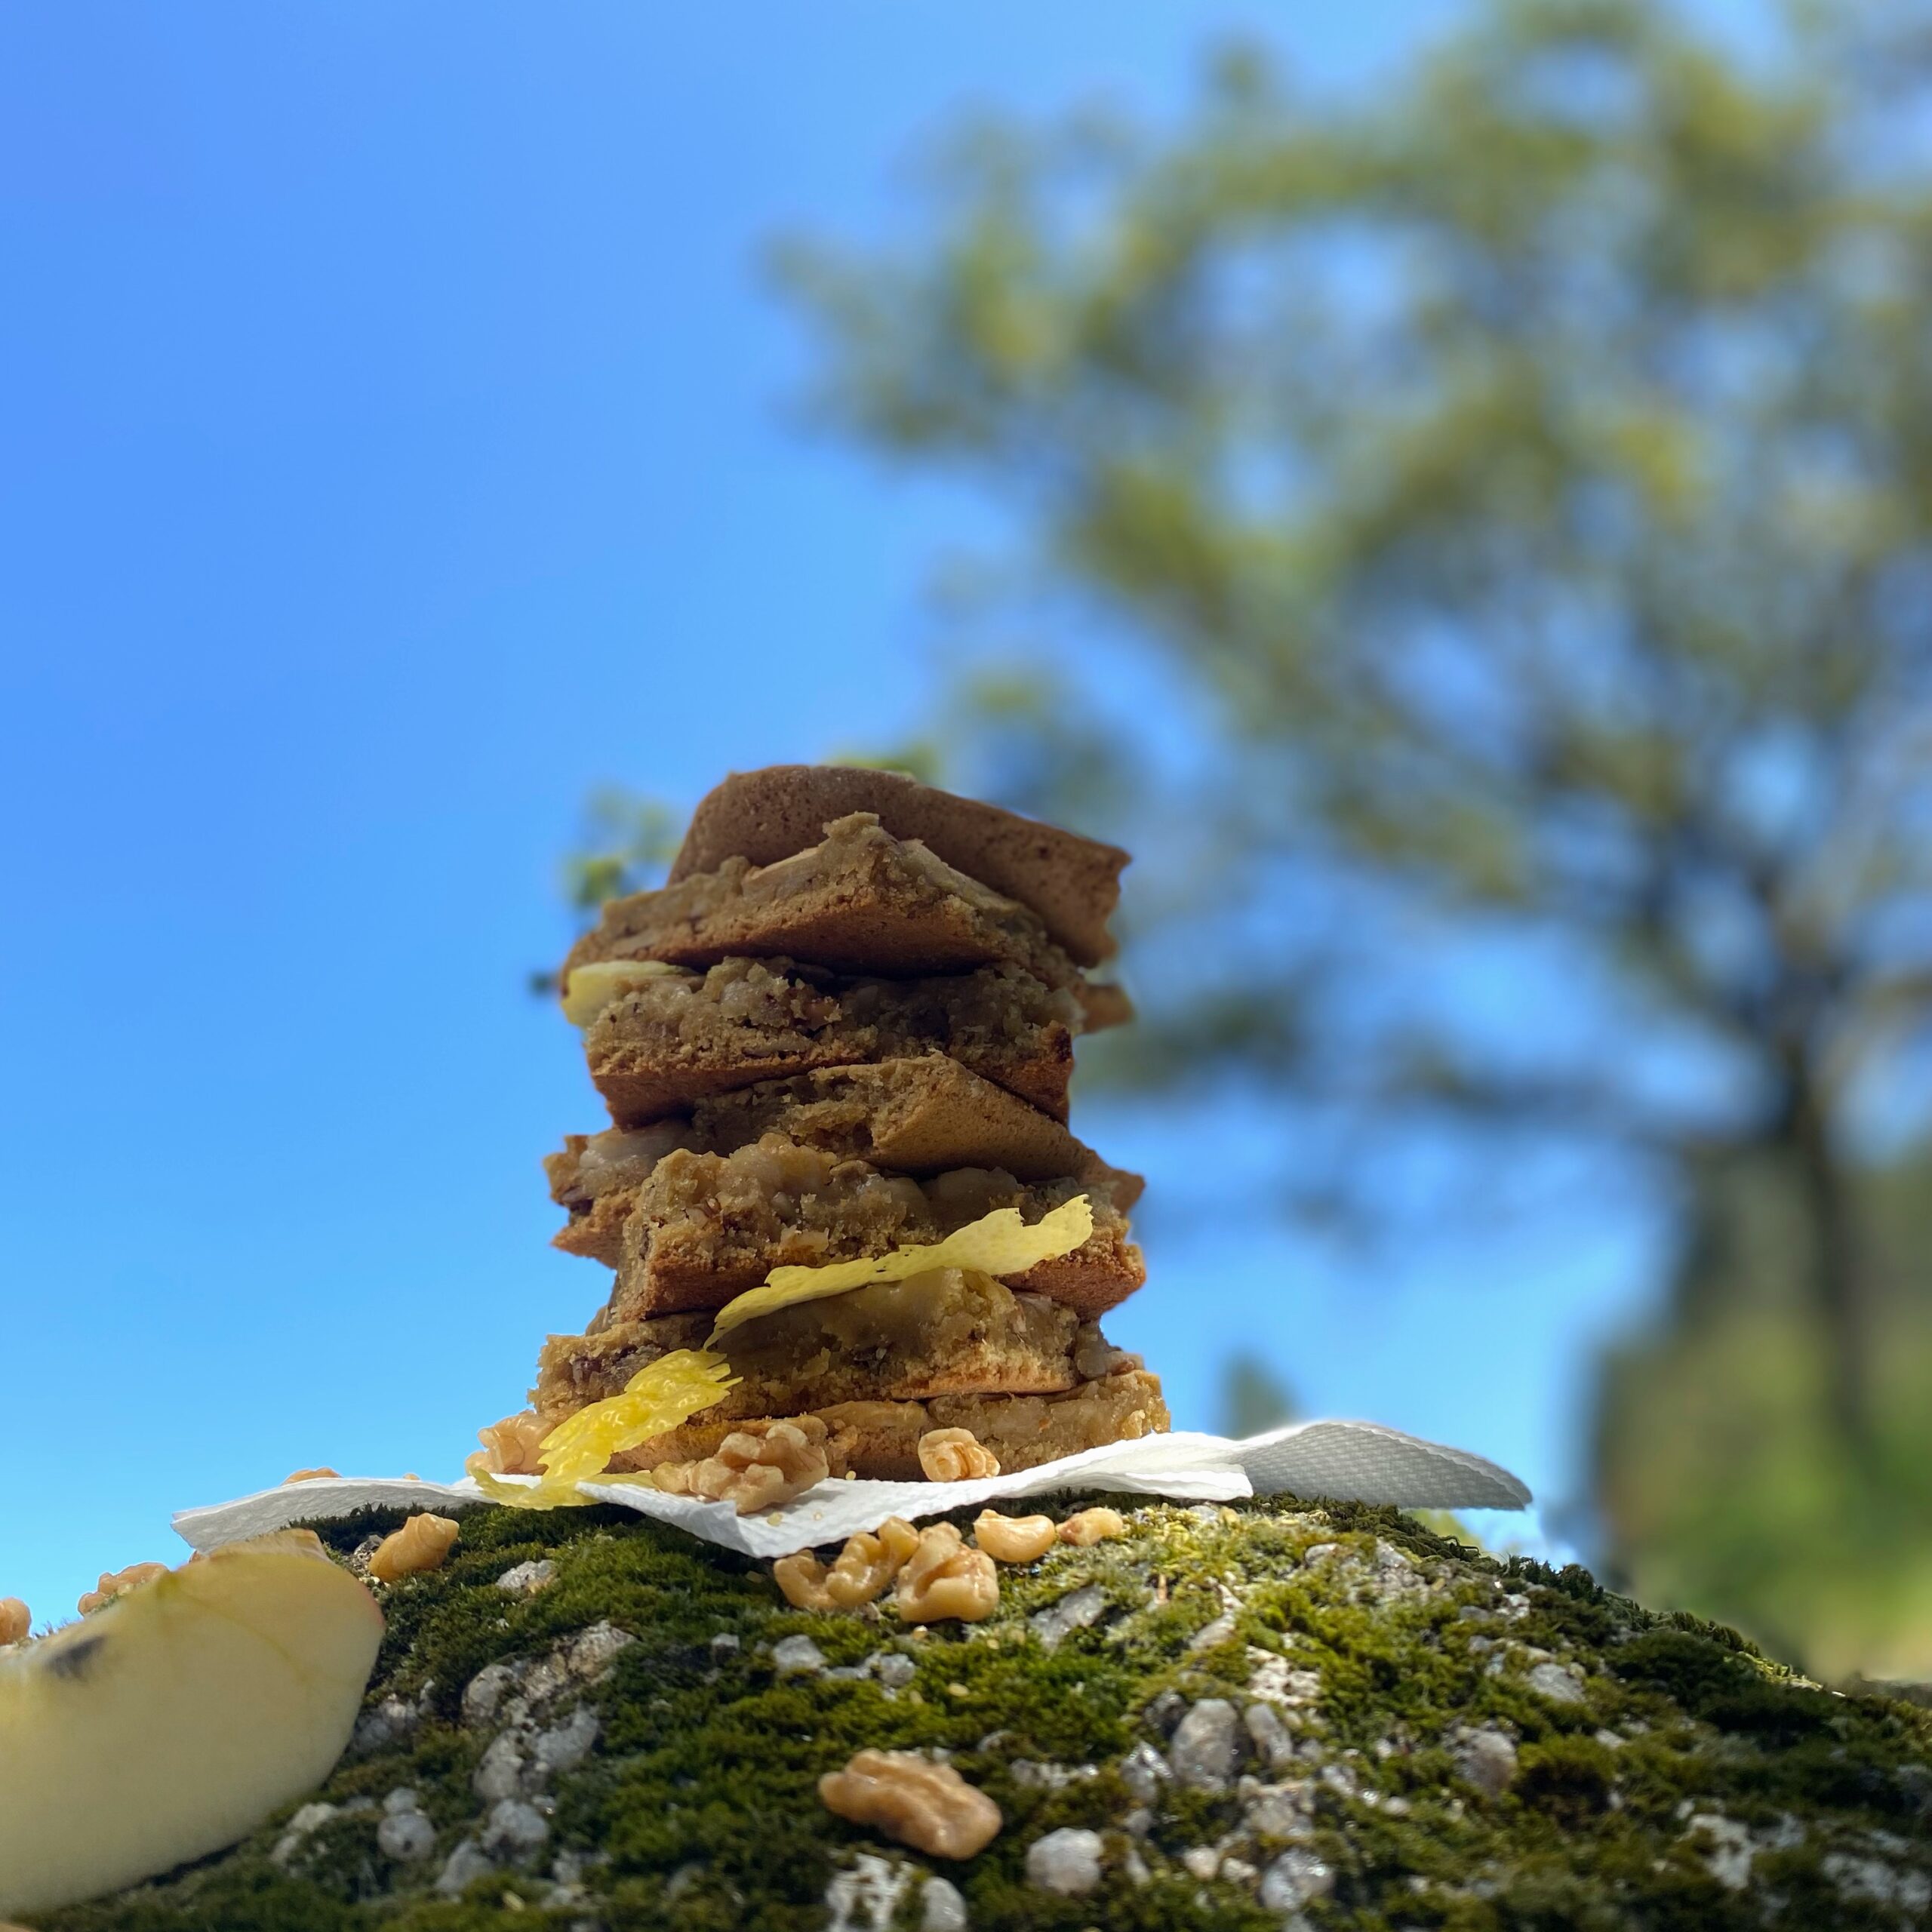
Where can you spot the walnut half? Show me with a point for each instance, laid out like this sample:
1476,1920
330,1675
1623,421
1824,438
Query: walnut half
757,1467
509,1447
1091,1526
944,1580
1014,1539
423,1542
929,1807
956,1455
117,1583
868,1562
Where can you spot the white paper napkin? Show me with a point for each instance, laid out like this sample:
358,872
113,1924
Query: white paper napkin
1355,1462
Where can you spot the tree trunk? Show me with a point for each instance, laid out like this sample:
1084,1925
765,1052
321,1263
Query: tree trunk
1834,1273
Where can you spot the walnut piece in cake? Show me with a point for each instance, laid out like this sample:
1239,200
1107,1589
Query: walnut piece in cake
509,1446
761,1466
955,1455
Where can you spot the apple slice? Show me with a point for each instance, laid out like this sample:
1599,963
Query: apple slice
173,1722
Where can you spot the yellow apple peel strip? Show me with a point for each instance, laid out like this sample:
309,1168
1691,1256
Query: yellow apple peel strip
666,1393
662,1396
1000,1243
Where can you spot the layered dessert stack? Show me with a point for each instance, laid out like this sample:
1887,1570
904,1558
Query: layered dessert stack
844,1028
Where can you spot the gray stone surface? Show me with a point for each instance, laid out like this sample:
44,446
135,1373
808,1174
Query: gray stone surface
524,1580
1206,1746
1557,1682
515,1829
1143,1770
1074,1611
406,1835
1295,1878
565,1746
797,1657
462,1868
943,1907
1067,1862
1488,1759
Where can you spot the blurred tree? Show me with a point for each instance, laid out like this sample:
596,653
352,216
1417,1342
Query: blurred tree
1494,515
1720,1469
1252,1397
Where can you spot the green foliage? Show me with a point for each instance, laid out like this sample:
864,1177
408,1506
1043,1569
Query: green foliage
630,842
625,843
1520,480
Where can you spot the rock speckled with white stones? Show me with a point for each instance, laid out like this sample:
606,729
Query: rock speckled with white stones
1381,1726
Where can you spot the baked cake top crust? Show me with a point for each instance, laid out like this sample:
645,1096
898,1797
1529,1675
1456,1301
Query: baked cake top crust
1072,883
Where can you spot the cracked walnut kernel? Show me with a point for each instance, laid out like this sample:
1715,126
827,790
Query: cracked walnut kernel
117,1583
956,1455
801,1578
869,1561
929,1807
1014,1539
422,1543
509,1447
309,1475
1091,1526
944,1580
756,1468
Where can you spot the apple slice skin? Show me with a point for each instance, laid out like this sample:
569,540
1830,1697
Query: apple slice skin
173,1722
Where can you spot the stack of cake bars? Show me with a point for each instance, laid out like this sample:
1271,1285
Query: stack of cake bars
845,1027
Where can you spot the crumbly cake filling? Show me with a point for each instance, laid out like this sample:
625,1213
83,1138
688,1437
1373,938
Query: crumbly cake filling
664,1038
692,1228
706,1227
948,1331
618,1160
802,1204
879,1438
1001,1005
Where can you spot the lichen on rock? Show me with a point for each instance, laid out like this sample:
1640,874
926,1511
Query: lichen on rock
1266,1715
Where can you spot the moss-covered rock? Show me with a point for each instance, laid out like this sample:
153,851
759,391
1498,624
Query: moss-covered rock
1270,1714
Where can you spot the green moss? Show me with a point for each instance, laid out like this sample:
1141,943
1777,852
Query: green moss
699,1807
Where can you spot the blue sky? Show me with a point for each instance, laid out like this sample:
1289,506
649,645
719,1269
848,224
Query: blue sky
398,448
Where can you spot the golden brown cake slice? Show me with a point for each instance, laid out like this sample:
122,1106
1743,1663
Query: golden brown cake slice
668,1038
950,1331
596,1177
706,1227
915,1116
880,1439
1072,883
921,1117
858,901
